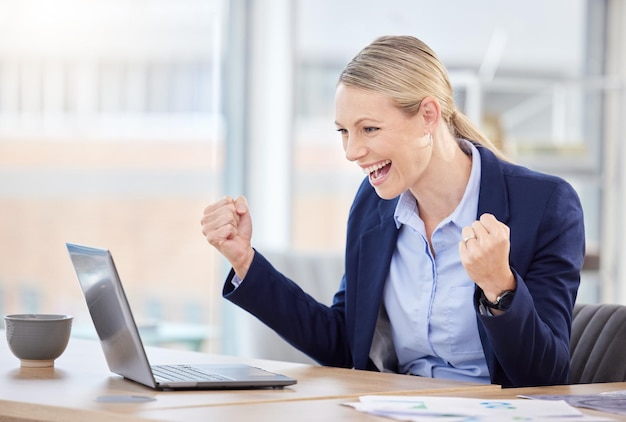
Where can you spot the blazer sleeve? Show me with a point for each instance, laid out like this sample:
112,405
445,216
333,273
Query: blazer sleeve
313,328
529,344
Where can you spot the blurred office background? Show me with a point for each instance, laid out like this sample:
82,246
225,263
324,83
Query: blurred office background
121,120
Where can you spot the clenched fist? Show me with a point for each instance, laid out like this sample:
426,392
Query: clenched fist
227,226
484,253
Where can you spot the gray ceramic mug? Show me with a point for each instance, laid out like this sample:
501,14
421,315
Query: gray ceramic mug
37,339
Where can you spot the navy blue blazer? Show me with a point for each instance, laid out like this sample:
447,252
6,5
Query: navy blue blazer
526,346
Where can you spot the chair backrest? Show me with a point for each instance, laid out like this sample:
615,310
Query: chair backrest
598,344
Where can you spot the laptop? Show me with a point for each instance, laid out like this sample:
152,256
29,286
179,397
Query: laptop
122,345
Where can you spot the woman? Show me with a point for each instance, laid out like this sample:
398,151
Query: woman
458,263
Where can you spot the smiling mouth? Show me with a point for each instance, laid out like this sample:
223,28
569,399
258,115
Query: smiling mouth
377,171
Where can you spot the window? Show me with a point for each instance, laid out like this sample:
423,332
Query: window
111,135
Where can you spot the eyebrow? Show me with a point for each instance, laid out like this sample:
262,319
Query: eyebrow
359,121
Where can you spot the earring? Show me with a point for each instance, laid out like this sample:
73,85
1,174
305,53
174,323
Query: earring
430,139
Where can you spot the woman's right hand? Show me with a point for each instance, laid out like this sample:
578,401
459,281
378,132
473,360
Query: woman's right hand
227,226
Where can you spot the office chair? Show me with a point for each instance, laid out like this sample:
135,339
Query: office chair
598,344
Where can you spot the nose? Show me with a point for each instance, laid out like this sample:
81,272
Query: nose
354,148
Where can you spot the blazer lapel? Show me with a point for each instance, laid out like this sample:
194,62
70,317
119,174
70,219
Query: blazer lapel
493,196
493,199
375,251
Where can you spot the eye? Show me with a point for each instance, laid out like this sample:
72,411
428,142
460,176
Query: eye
342,131
370,129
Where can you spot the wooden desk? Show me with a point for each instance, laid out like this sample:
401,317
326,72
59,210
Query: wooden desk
70,390
332,410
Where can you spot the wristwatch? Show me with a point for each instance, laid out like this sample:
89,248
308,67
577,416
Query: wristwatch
503,301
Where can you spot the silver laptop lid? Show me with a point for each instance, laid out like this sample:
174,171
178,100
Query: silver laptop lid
111,314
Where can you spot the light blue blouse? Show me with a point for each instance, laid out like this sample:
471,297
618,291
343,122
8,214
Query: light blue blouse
429,298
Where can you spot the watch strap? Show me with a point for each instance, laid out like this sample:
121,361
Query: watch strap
502,302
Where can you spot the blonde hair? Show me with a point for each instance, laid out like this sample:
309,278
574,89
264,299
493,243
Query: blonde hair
407,70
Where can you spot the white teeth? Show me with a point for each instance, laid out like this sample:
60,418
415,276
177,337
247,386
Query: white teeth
375,167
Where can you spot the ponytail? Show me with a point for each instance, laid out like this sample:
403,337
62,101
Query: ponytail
462,127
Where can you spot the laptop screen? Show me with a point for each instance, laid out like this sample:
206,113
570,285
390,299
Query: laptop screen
110,312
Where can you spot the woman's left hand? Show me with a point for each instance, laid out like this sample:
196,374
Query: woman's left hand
484,253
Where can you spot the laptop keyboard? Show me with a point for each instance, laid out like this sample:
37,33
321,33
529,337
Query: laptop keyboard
185,373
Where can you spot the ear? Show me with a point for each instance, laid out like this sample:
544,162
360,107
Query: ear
431,112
